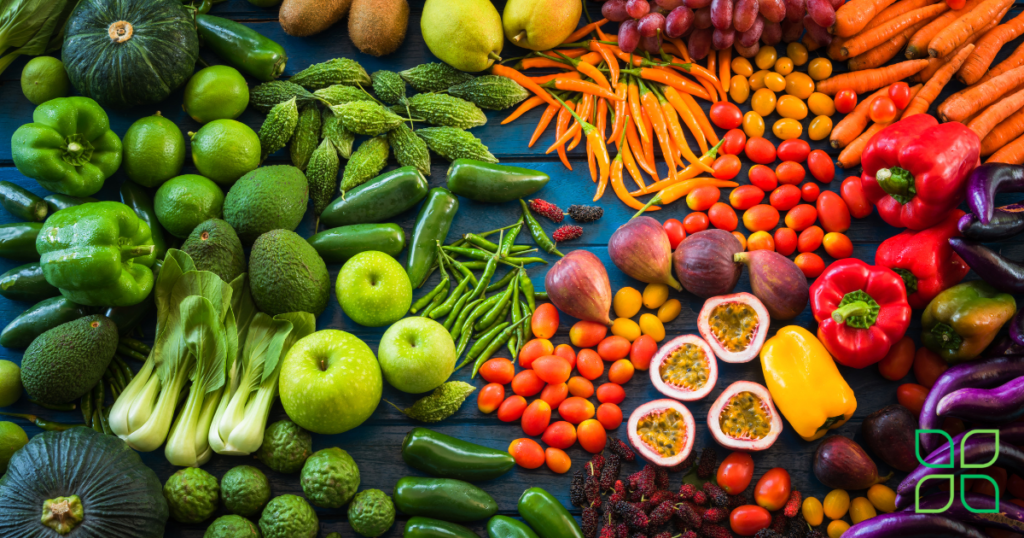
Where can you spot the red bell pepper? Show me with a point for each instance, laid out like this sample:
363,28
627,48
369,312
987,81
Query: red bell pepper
925,260
861,310
915,170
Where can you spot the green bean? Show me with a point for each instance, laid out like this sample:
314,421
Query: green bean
87,407
446,306
97,424
537,232
492,314
55,407
493,346
47,425
135,345
130,353
484,340
505,281
456,310
485,278
466,311
509,241
423,301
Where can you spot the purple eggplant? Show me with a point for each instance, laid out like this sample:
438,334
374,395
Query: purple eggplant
1017,329
910,525
1010,516
1004,274
1002,404
1007,221
1004,345
988,180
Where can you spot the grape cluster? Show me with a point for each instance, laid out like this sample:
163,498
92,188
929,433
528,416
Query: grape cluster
720,24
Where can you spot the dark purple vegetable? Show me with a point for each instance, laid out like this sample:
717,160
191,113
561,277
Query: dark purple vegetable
1017,329
1004,403
1004,345
841,463
988,180
909,525
1007,221
889,434
1010,516
1004,274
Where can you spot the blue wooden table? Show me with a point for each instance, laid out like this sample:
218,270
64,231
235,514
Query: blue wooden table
376,444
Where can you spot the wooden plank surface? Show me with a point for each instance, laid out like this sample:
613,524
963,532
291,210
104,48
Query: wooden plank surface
376,444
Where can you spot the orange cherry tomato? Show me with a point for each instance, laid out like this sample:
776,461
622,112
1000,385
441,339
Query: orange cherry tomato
741,238
587,333
809,192
580,386
592,436
762,177
810,264
575,409
557,460
621,371
675,232
726,115
833,213
772,490
490,398
544,322
761,217
853,194
566,352
555,394
928,366
613,348
790,172
498,370
552,369
735,472
883,110
821,166
846,100
536,418
701,198
801,217
785,241
726,167
746,520
785,197
641,351
734,142
760,240
559,434
746,196
512,408
611,393
722,216
527,383
897,362
589,364
760,150
609,415
527,453
837,245
810,239
538,347
899,92
794,150
912,396
695,222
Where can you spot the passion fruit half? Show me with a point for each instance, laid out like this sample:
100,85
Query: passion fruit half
735,326
684,368
744,417
662,432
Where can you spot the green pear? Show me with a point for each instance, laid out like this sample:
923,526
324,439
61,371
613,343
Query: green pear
540,24
465,34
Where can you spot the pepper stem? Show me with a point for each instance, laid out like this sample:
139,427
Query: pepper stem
947,336
857,310
909,280
897,182
135,251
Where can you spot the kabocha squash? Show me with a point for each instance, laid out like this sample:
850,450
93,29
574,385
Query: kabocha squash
129,52
84,484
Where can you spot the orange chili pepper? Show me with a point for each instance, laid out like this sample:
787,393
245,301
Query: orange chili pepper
680,47
724,61
560,128
681,189
545,120
712,61
603,36
589,70
687,115
600,150
634,142
630,162
618,185
525,107
613,64
541,62
580,86
692,68
650,102
583,31
573,53
523,80
635,110
702,119
601,121
665,76
564,74
648,144
590,160
690,172
676,130
592,58
620,110
586,103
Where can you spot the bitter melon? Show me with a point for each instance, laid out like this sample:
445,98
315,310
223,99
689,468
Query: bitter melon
336,71
264,97
443,109
388,86
434,77
410,150
440,404
330,128
322,175
491,92
339,94
279,127
306,137
367,161
452,143
366,117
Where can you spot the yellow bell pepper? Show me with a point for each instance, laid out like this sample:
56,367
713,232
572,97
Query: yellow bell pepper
805,383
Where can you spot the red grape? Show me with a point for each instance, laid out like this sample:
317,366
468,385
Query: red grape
637,8
836,4
651,44
679,21
668,5
750,37
721,14
772,33
722,39
696,4
744,15
699,43
702,18
795,11
822,12
773,10
615,10
817,32
652,22
629,36
747,52
791,30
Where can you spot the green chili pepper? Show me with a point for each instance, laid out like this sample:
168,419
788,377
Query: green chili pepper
540,296
55,407
474,253
87,408
56,202
496,342
99,396
463,342
492,314
130,353
485,278
446,498
438,299
537,232
425,527
426,299
114,391
493,183
527,329
441,455
526,285
483,342
475,265
548,516
508,243
466,311
505,281
526,261
432,224
480,242
22,203
464,270
134,344
242,47
456,311
138,198
517,316
44,424
493,247
97,424
506,527
104,422
446,306
128,374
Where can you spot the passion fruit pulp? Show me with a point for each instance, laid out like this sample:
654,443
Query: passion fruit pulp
744,417
684,368
662,432
735,326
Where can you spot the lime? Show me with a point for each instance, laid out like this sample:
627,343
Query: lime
185,202
12,438
224,150
44,78
216,92
154,150
10,383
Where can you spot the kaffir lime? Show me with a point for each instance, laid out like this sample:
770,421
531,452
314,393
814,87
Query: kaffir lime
216,92
44,78
224,150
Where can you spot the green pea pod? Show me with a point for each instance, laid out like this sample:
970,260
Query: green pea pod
506,527
22,203
443,498
493,183
449,303
544,513
537,232
26,283
378,199
425,527
56,202
426,299
40,318
444,456
137,197
242,47
432,224
18,241
337,245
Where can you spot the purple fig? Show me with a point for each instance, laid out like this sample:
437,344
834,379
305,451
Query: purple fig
840,463
641,249
578,285
777,281
704,263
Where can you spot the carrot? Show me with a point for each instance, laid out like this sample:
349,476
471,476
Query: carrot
881,54
527,106
1012,153
959,107
1006,131
854,15
897,9
545,120
687,115
917,47
986,49
934,64
725,58
835,48
854,123
1015,59
880,34
983,124
870,79
541,62
523,80
953,35
850,156
924,98
584,30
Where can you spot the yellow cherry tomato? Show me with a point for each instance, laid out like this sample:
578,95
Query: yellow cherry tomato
797,52
655,295
627,302
757,79
882,497
753,124
787,129
791,107
819,68
784,66
741,66
739,88
763,102
652,326
670,311
626,328
820,128
799,85
821,104
774,82
861,509
766,57
837,502
837,528
812,510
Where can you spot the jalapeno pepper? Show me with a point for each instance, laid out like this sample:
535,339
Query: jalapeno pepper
40,318
26,283
56,202
444,498
432,226
18,241
378,199
42,423
444,456
136,197
337,245
545,514
506,527
21,203
242,47
493,183
425,527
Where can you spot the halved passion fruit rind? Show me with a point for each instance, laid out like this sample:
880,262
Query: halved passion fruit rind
735,326
744,417
662,432
684,368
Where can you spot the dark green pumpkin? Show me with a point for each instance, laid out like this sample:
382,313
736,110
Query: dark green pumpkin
96,480
129,52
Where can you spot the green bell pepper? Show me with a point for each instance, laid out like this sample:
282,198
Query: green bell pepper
98,254
962,321
69,147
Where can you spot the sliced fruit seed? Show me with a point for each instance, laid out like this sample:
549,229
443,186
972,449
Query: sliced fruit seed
745,417
664,431
734,325
686,367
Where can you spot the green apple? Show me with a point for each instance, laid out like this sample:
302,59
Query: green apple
373,289
417,354
330,382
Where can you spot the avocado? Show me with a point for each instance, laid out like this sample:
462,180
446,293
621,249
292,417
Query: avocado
66,361
214,246
265,199
287,275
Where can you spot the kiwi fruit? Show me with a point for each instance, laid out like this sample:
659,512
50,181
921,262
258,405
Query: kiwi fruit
377,27
307,17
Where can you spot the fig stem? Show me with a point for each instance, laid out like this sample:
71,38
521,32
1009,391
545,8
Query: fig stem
857,308
896,182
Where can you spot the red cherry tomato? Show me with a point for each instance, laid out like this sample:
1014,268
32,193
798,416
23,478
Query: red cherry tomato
898,360
695,222
846,100
544,322
701,198
801,217
734,142
809,240
760,150
785,197
727,167
762,177
883,110
746,520
810,264
832,212
795,149
772,490
928,366
723,217
735,472
746,196
642,351
790,172
911,396
809,192
785,241
853,194
821,166
726,115
900,94
675,232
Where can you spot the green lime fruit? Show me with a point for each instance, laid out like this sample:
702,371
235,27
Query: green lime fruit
289,516
245,490
224,150
373,289
285,447
12,438
44,78
192,495
371,513
330,478
10,383
184,202
154,150
232,527
215,93
416,354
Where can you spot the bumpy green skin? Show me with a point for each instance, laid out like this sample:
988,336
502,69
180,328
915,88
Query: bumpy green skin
245,490
65,362
192,495
279,127
371,513
232,527
289,516
285,447
434,77
388,86
365,163
330,478
410,150
306,138
266,96
268,198
340,94
322,174
214,246
452,144
336,71
440,404
332,129
287,275
366,118
491,92
443,109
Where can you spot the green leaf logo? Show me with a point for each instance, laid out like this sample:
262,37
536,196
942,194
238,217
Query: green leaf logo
917,495
917,450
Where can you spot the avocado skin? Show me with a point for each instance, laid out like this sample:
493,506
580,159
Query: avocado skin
219,252
65,362
287,275
267,198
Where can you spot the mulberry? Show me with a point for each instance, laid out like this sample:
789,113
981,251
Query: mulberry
715,531
585,213
768,533
617,446
592,491
683,465
595,465
689,534
638,535
792,507
633,516
664,534
608,531
737,500
707,464
661,496
687,513
547,209
642,481
779,523
621,530
797,527
716,494
815,534
590,521
661,514
700,498
715,515
567,232
610,472
661,478
576,495
686,491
